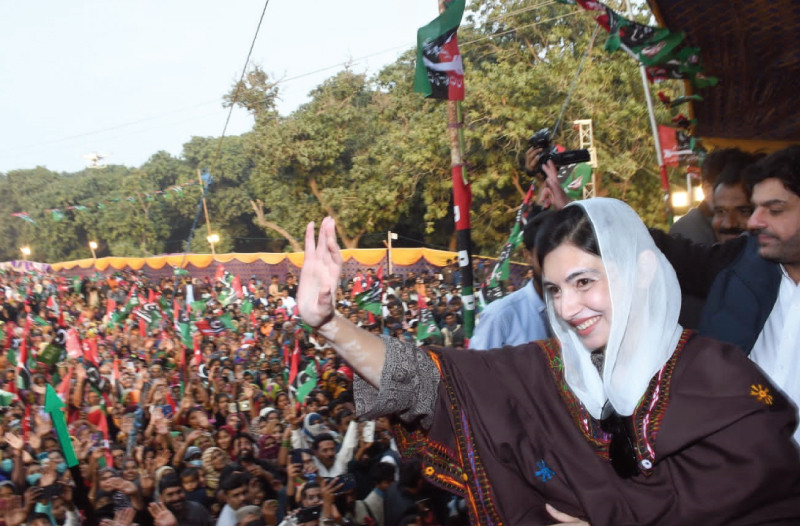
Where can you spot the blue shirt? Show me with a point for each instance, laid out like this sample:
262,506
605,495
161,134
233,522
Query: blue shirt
518,318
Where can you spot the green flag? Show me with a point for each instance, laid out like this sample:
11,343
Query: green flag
76,284
51,354
370,300
39,321
227,321
306,382
185,327
247,307
6,398
58,215
427,327
198,308
439,72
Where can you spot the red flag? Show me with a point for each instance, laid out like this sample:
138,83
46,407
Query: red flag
295,362
90,350
151,296
61,322
142,328
64,386
198,355
176,309
73,344
237,287
220,273
102,426
22,358
110,307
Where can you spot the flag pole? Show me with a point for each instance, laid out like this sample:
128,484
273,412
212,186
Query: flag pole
662,169
462,203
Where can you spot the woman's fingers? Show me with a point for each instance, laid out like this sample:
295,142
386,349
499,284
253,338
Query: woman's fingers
563,518
310,240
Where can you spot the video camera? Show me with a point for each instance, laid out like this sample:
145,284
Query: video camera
541,139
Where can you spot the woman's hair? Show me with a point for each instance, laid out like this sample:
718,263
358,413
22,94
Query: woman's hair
568,225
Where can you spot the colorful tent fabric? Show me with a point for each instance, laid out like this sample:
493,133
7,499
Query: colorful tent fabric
753,47
263,265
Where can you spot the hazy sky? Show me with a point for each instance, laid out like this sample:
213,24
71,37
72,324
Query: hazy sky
131,77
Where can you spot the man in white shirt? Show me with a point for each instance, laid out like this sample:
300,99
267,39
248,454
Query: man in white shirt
519,317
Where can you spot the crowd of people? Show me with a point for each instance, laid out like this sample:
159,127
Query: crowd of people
247,422
286,402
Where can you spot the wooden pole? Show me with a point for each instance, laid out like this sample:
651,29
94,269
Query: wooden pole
462,203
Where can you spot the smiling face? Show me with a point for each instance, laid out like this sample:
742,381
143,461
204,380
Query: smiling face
576,284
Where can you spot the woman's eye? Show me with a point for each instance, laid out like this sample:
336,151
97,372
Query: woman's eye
583,283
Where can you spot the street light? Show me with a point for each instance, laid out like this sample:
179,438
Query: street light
26,251
93,248
213,239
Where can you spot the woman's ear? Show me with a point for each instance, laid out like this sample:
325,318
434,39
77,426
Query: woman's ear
647,265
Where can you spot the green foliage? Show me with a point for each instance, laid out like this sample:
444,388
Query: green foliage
367,151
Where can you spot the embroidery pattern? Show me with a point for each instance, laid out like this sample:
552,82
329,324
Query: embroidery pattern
647,417
649,413
545,473
761,393
590,428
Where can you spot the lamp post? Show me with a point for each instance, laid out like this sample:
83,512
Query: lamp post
26,251
213,239
93,248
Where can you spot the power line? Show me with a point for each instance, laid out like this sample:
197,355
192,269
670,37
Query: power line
513,29
292,78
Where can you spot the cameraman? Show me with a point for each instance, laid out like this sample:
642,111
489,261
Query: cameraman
552,194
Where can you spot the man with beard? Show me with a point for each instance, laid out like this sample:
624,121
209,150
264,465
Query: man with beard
751,282
732,206
186,512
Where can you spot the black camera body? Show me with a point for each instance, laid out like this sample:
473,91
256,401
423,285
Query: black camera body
541,139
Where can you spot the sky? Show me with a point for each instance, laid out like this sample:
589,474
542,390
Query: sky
129,78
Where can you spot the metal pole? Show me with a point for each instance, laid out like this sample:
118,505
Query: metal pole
653,125
389,251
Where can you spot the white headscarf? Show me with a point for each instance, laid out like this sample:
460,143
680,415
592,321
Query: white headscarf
645,299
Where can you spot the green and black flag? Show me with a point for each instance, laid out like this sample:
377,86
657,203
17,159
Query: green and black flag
370,299
439,71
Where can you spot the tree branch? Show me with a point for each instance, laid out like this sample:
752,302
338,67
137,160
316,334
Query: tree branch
258,208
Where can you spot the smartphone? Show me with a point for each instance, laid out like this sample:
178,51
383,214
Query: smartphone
297,456
309,514
244,405
348,482
368,432
51,491
233,408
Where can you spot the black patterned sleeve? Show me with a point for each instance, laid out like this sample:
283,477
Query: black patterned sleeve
409,383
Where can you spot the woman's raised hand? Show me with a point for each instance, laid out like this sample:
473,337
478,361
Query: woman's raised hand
320,275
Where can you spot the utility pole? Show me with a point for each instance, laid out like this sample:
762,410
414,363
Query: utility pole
390,237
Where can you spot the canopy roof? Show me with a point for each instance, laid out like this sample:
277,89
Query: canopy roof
753,48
